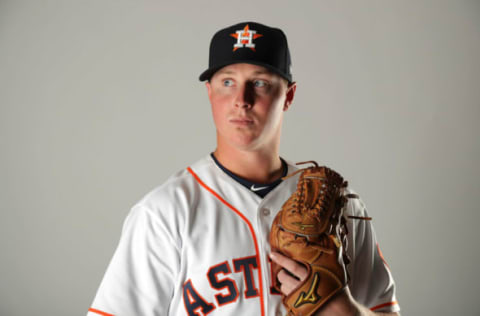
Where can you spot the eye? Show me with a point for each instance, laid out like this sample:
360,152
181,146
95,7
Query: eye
228,82
260,83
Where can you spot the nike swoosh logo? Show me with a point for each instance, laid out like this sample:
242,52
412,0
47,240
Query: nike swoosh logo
254,189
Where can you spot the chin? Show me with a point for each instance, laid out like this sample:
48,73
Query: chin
250,145
243,142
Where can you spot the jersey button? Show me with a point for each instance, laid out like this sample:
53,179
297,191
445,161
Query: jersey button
265,212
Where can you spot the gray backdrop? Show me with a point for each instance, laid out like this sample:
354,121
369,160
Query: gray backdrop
99,103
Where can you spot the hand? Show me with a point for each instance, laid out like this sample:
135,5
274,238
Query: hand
292,274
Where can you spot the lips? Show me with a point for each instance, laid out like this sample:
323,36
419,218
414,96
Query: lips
241,121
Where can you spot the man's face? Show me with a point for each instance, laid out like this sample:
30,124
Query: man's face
248,103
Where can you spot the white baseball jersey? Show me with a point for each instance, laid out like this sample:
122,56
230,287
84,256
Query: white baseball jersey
198,245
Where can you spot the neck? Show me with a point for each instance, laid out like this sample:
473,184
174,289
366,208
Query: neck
255,166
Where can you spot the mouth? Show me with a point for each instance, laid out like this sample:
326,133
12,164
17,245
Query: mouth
242,121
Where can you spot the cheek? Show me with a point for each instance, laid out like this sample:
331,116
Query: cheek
272,109
272,116
219,97
218,111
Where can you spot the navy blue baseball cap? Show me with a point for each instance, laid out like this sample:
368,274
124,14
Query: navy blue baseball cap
252,43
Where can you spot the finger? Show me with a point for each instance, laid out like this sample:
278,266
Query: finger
289,283
294,267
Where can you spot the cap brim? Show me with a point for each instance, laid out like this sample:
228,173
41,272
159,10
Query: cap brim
208,74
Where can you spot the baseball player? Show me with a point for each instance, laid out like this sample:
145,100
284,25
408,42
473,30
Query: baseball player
198,243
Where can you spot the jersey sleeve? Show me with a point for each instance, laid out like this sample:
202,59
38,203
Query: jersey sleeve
141,275
371,281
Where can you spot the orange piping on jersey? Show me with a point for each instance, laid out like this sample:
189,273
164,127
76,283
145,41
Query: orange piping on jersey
383,305
93,310
260,280
382,257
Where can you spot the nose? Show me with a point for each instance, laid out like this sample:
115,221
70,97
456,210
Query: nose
245,97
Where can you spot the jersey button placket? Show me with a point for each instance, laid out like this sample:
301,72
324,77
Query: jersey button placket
264,220
265,212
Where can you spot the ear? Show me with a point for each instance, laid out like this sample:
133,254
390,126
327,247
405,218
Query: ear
209,88
290,94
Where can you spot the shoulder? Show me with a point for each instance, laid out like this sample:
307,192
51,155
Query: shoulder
355,205
173,198
179,185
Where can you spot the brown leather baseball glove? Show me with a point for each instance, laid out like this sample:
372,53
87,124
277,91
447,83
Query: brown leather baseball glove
311,229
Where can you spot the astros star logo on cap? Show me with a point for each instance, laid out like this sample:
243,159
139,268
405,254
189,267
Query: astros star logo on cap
249,42
245,38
